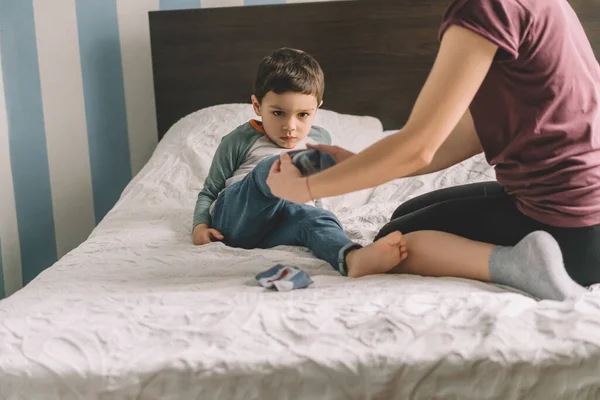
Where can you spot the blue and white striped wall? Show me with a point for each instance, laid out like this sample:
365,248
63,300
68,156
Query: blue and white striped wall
77,120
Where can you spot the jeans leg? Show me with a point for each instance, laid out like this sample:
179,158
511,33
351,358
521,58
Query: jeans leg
317,229
247,210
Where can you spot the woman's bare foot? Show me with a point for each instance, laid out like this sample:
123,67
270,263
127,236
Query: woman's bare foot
378,257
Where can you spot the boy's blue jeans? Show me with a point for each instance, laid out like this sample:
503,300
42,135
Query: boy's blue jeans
249,216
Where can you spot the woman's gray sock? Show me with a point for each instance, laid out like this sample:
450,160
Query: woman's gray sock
535,265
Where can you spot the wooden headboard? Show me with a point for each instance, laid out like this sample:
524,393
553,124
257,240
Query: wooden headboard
376,54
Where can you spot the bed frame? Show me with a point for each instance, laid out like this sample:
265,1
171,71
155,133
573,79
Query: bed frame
376,54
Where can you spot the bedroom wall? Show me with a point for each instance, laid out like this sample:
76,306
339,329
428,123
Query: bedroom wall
77,120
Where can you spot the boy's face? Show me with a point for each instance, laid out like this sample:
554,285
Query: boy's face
287,117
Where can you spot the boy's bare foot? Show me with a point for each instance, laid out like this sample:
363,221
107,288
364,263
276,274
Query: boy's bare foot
378,257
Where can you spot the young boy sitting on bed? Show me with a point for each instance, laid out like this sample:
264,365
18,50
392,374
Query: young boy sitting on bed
236,205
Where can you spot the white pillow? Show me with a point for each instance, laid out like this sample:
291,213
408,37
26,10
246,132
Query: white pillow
194,139
351,132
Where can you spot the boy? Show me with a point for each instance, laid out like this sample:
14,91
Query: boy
236,205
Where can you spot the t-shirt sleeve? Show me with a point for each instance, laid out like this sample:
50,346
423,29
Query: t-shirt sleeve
502,22
225,161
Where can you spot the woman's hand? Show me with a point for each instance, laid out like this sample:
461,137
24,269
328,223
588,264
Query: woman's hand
286,181
336,152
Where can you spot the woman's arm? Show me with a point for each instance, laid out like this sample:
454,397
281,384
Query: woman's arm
462,143
461,65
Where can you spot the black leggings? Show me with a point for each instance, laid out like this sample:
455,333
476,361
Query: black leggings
485,213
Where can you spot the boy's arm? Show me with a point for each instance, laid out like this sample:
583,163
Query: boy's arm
222,168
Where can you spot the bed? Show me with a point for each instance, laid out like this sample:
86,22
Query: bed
138,312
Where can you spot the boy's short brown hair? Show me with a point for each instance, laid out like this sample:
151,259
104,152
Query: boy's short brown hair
289,70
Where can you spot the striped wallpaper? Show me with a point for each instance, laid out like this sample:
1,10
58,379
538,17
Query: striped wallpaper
77,120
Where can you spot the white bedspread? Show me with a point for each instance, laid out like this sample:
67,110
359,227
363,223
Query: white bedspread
138,312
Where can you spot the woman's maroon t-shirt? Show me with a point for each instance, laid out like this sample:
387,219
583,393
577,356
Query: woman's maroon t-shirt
537,113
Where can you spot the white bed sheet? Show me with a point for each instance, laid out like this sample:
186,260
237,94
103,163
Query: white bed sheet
138,312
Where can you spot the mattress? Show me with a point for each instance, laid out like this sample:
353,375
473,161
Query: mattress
138,312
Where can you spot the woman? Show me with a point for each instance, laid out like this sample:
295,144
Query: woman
518,80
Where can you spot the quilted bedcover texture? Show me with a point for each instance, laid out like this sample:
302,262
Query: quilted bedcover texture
138,312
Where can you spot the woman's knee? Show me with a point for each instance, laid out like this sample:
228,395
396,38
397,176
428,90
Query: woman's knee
414,222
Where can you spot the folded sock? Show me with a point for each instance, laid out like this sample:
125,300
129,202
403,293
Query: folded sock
311,161
535,265
284,278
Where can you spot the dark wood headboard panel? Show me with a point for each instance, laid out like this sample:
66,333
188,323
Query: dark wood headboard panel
589,14
376,54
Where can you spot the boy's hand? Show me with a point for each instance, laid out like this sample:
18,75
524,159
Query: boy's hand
204,235
336,152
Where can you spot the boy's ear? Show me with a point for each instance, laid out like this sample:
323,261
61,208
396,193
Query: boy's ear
255,105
